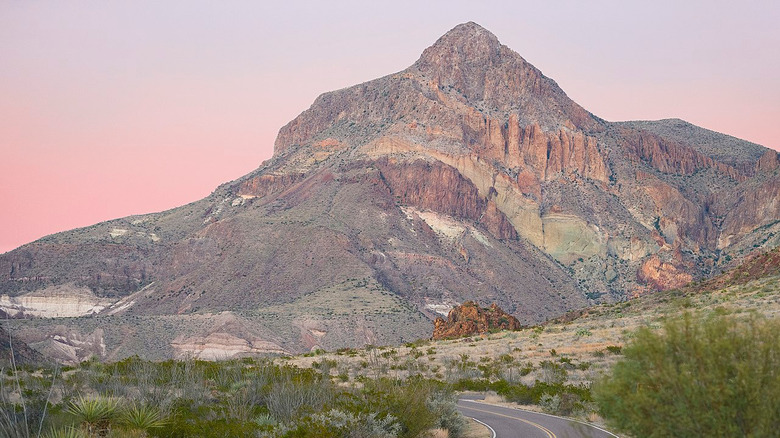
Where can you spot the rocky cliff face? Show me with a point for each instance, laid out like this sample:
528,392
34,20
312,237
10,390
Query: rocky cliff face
672,158
470,319
434,186
467,176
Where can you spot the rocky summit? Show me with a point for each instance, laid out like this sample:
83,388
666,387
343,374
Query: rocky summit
467,176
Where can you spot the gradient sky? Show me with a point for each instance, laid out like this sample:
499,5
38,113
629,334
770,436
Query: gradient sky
109,109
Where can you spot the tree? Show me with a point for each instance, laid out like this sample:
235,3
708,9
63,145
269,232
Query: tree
715,376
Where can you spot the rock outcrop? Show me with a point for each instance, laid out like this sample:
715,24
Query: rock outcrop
662,275
222,346
470,319
60,301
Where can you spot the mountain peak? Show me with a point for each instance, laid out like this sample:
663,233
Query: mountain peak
469,62
469,36
465,43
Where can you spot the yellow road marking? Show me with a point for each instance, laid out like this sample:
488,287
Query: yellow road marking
549,433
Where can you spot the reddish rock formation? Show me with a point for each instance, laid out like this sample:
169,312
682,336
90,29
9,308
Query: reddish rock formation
471,319
435,186
662,275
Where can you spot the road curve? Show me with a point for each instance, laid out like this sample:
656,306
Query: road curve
516,423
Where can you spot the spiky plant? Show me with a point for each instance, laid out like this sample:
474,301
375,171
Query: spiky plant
142,417
94,414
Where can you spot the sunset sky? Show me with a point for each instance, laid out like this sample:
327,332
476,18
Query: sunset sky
109,109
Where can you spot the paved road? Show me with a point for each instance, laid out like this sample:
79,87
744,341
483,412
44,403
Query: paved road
516,423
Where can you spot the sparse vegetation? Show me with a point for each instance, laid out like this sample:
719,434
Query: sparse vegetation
136,398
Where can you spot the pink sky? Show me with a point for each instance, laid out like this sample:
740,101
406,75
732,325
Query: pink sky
109,109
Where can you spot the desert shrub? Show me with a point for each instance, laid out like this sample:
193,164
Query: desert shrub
340,424
550,403
583,332
713,376
526,369
562,403
479,385
188,420
406,400
444,405
294,394
552,372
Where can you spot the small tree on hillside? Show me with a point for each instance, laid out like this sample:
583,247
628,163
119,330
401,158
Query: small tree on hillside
717,376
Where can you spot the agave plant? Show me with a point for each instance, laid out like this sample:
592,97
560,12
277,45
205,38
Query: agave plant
94,414
142,417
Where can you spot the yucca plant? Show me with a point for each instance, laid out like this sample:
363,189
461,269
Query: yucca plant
142,417
94,414
265,420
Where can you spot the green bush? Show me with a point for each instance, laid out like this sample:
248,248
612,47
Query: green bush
716,376
406,401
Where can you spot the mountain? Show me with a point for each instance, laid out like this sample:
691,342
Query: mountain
468,176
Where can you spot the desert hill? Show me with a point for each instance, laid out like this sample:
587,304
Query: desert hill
468,176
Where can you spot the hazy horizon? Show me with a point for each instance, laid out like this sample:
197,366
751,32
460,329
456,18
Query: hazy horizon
117,109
